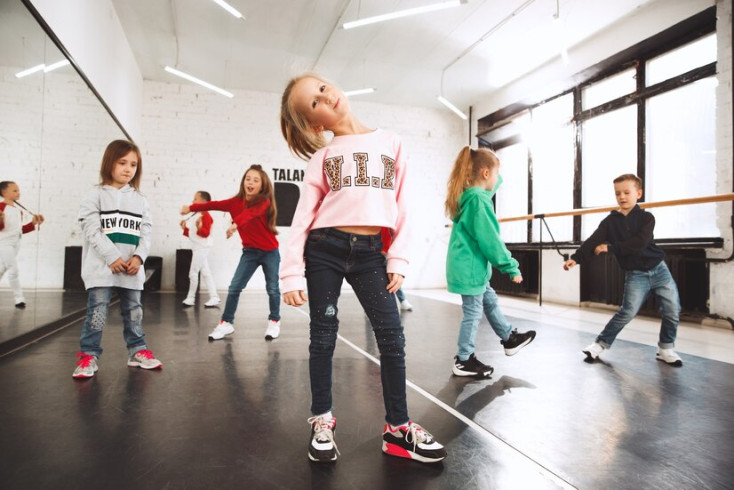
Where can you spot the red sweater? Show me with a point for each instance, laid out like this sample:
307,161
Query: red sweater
206,226
251,220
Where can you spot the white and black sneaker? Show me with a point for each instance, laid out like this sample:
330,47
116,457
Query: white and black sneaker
516,341
322,448
471,367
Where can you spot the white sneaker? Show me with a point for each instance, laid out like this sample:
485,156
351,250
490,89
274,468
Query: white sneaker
212,302
669,356
189,302
224,328
273,330
86,366
593,351
406,306
144,359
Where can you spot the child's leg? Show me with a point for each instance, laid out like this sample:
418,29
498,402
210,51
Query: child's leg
368,277
667,292
636,290
271,265
492,311
132,319
194,268
9,265
98,302
325,265
206,273
249,261
471,306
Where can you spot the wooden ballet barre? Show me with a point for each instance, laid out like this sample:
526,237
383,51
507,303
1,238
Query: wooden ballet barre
606,209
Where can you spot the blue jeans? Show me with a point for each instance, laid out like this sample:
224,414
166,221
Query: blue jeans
332,256
250,259
637,287
98,303
472,307
400,294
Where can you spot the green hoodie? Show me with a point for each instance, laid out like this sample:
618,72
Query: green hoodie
475,244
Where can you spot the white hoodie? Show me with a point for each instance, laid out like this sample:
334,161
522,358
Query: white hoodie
116,224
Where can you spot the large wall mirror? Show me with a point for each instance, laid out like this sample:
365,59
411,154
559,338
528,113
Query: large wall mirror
53,130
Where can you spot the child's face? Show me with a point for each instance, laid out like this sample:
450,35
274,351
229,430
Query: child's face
124,170
253,184
491,181
627,195
322,105
11,193
198,198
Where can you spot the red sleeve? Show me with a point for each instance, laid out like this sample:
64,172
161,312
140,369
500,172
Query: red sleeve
248,214
2,208
28,227
228,205
186,232
206,225
386,239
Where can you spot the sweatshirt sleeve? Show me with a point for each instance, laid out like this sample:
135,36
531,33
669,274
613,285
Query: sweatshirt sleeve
2,208
226,205
399,251
28,227
313,191
206,225
638,241
586,250
89,219
486,230
146,226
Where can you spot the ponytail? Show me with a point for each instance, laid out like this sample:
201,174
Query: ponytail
467,166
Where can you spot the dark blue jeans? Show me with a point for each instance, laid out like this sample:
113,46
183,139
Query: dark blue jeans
250,260
98,304
637,287
332,256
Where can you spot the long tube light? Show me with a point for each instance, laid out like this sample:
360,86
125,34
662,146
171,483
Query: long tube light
362,91
229,8
452,107
45,68
56,65
401,13
198,81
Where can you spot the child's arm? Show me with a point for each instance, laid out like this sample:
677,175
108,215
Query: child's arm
251,213
2,215
143,248
486,230
89,219
184,227
226,206
590,247
204,225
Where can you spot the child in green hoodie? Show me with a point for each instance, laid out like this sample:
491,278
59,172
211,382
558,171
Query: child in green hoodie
475,246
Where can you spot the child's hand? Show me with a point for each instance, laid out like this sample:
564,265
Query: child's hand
600,249
568,264
396,280
118,266
37,219
294,298
230,231
185,209
517,279
183,224
133,265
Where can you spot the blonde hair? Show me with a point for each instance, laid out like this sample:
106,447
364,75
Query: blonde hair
469,163
267,191
301,137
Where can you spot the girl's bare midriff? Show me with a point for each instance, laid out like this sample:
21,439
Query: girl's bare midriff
360,230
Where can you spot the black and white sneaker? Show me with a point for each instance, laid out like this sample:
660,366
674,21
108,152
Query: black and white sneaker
413,442
323,447
517,341
471,367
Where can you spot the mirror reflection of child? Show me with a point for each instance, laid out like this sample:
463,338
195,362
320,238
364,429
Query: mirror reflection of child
11,229
201,244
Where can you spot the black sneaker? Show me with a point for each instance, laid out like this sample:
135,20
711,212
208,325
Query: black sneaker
323,447
471,367
517,341
20,305
413,442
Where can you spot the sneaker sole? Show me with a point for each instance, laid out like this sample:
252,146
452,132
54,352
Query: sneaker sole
459,372
270,337
678,363
212,306
400,452
220,337
137,364
515,350
315,460
82,376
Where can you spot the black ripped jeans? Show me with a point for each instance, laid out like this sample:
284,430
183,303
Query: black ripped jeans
331,256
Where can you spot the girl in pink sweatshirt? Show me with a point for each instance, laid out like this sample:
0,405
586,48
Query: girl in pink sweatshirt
353,186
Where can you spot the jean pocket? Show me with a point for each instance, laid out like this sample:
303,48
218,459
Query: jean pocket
315,236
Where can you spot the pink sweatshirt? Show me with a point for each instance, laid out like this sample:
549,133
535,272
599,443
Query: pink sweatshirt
356,180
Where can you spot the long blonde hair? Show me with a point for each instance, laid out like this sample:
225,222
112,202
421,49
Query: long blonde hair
469,163
302,139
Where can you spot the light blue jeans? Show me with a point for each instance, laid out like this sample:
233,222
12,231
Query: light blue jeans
637,287
472,306
98,304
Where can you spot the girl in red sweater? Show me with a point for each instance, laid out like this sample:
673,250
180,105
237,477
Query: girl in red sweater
254,213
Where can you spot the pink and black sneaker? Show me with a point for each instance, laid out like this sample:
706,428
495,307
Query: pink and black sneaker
413,442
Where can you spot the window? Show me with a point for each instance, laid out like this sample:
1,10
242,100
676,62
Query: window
692,55
512,200
609,89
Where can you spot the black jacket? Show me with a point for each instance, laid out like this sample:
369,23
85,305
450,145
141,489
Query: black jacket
629,238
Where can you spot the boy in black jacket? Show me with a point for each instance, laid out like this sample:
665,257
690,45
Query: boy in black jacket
628,234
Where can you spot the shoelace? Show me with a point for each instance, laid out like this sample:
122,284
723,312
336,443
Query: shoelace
417,434
323,430
145,353
84,359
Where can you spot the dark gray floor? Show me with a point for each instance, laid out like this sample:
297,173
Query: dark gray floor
232,413
42,308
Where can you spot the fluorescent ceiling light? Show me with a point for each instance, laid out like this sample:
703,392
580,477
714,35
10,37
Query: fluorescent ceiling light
452,107
30,71
200,82
229,8
402,13
362,91
56,65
